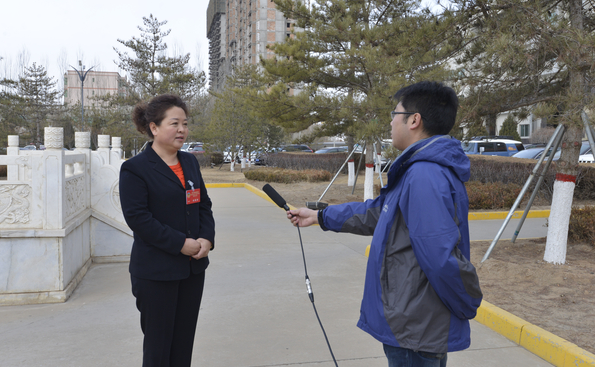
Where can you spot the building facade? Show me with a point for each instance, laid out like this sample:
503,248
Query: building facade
97,84
239,32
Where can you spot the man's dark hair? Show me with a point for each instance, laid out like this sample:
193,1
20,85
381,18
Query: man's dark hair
436,103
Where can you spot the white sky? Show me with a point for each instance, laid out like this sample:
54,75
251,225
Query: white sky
47,30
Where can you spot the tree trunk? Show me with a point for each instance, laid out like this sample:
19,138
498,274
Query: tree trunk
369,180
557,234
491,124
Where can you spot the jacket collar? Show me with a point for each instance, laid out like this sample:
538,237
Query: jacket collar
161,167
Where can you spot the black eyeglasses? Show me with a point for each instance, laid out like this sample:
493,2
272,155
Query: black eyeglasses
395,113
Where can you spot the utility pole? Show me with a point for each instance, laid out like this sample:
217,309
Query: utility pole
82,75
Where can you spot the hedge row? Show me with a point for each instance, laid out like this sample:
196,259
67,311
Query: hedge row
302,161
287,175
506,170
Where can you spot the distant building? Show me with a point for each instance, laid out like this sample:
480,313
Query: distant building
239,32
97,84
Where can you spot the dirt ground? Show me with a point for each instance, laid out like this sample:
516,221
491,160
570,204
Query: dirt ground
557,298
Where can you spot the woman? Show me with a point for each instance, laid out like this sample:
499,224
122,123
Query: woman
165,203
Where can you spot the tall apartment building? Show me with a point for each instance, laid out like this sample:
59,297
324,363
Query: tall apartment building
239,32
97,84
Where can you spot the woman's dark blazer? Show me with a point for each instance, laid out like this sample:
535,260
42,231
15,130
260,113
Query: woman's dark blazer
154,206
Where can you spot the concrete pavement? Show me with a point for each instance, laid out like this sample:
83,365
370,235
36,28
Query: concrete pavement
255,309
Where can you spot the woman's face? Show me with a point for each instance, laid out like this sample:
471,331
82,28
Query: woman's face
173,130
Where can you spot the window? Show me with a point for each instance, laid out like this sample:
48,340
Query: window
288,25
525,131
93,80
500,147
487,147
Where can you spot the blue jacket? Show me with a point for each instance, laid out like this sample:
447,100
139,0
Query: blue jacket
154,206
421,289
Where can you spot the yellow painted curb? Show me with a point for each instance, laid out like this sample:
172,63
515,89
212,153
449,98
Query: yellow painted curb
502,322
542,343
502,215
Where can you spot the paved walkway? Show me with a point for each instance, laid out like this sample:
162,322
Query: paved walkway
255,310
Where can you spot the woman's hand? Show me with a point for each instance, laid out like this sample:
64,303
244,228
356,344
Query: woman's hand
191,247
205,248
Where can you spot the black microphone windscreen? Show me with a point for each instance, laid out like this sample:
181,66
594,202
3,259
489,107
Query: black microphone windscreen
274,195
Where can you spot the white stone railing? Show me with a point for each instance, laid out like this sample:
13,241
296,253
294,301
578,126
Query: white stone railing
59,211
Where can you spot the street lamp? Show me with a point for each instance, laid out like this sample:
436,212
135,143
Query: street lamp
82,75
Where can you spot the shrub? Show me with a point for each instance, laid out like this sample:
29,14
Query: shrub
287,175
301,161
582,225
489,169
493,195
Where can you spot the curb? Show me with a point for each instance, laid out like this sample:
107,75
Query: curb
502,215
542,343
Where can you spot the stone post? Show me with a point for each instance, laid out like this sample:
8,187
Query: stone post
115,158
103,142
82,143
12,170
54,177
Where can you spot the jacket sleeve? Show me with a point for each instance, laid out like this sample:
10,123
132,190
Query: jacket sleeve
207,222
134,198
428,206
354,217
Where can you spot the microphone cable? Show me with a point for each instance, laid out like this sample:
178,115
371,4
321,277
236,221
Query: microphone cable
311,296
277,199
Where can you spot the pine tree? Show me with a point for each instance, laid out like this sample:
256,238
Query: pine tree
509,128
346,58
532,55
152,71
37,99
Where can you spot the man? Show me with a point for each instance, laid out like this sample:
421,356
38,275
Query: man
421,289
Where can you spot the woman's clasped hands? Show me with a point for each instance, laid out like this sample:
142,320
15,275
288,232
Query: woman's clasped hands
197,249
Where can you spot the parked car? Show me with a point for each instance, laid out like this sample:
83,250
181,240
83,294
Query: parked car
188,146
341,149
297,148
197,149
531,153
492,145
29,147
585,147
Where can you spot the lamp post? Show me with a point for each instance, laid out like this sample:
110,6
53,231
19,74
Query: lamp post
82,75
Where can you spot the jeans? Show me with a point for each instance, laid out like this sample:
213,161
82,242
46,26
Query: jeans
401,357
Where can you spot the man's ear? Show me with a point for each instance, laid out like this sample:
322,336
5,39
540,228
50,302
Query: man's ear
417,122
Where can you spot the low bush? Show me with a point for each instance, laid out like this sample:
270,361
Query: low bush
582,225
301,161
287,175
493,195
490,169
206,159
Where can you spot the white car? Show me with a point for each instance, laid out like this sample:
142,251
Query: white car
586,158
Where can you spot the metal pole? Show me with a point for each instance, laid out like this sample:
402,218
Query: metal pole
337,174
589,131
538,185
521,194
82,75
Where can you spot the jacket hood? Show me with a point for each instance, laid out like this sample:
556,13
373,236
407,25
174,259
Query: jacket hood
441,149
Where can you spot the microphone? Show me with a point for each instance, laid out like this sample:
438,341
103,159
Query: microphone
274,195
